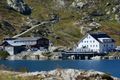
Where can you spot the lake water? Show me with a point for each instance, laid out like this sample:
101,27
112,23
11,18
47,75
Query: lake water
108,66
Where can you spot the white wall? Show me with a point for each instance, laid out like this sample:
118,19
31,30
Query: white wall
106,47
90,43
10,50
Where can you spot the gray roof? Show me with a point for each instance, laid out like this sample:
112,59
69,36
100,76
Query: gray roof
19,41
100,35
24,38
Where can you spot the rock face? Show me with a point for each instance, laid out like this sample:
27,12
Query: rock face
117,18
116,9
94,25
69,74
60,3
19,6
79,4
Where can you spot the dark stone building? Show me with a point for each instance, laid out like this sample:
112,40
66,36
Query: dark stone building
17,45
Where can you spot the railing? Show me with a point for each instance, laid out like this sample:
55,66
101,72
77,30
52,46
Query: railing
83,50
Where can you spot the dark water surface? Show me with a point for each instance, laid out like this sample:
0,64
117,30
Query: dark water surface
108,66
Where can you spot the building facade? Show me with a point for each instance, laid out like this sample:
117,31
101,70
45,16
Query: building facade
96,42
17,45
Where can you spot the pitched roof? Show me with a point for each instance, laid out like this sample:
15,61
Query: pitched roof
17,41
100,35
23,38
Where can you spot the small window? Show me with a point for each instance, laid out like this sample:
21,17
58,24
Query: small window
104,45
107,45
111,45
93,41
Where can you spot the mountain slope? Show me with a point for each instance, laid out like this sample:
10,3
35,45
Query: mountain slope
75,15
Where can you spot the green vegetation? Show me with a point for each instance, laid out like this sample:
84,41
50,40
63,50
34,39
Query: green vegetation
23,69
65,32
113,29
8,76
3,54
114,54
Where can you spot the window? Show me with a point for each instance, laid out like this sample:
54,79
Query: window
107,45
96,45
104,45
87,45
93,41
111,45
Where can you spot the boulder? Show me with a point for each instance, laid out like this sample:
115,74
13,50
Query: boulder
69,74
20,6
59,4
97,13
84,30
116,9
78,4
94,25
31,22
116,2
87,18
117,18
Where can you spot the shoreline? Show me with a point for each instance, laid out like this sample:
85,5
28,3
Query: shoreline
60,74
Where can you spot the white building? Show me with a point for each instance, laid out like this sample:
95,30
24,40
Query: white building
96,42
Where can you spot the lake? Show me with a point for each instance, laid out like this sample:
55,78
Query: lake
108,66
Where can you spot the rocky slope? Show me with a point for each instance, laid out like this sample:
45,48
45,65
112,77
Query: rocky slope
20,6
58,74
76,17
